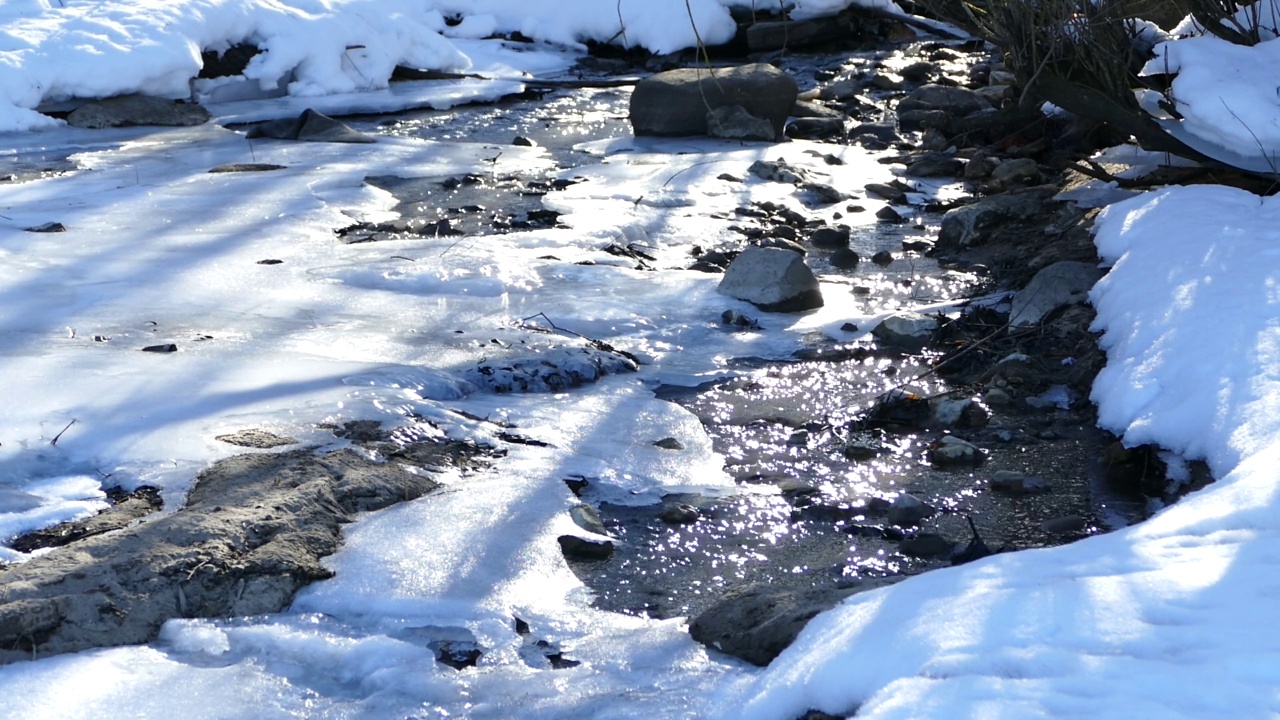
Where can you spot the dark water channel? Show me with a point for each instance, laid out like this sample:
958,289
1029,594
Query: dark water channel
817,482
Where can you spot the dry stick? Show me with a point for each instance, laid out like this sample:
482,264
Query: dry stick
622,26
54,441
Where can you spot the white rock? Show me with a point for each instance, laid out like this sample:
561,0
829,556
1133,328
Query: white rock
773,280
909,330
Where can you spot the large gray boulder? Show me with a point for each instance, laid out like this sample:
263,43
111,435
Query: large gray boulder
1062,283
966,226
676,102
130,110
757,622
773,280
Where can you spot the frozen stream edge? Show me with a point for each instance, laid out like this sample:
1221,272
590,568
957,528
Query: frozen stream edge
158,249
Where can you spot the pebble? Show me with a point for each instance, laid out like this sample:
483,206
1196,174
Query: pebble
679,513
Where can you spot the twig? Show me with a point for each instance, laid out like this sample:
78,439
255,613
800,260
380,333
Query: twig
55,439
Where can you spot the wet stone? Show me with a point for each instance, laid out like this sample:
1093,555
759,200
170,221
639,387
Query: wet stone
908,511
679,513
950,451
576,548
927,545
844,259
830,237
888,214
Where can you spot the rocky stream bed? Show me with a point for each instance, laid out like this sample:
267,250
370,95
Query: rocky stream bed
936,439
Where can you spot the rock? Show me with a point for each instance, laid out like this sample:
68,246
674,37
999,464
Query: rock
738,320
777,171
1002,77
254,438
882,258
907,331
522,141
783,243
881,131
49,227
908,511
892,193
310,126
888,214
1063,525
733,122
843,89
997,396
563,364
1017,483
127,508
815,128
586,517
822,193
246,167
965,226
1015,172
677,102
844,259
995,94
957,411
861,448
927,546
806,109
934,140
669,443
899,407
576,548
163,348
251,534
980,166
131,110
950,451
772,280
1062,283
757,622
785,232
955,100
830,237
918,71
936,165
679,513
916,120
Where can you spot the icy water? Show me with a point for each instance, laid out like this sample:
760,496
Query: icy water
809,512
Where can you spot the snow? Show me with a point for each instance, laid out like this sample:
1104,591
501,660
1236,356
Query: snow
1224,94
53,51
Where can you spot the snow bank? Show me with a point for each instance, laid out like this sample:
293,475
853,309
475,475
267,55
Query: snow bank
1169,619
1224,94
